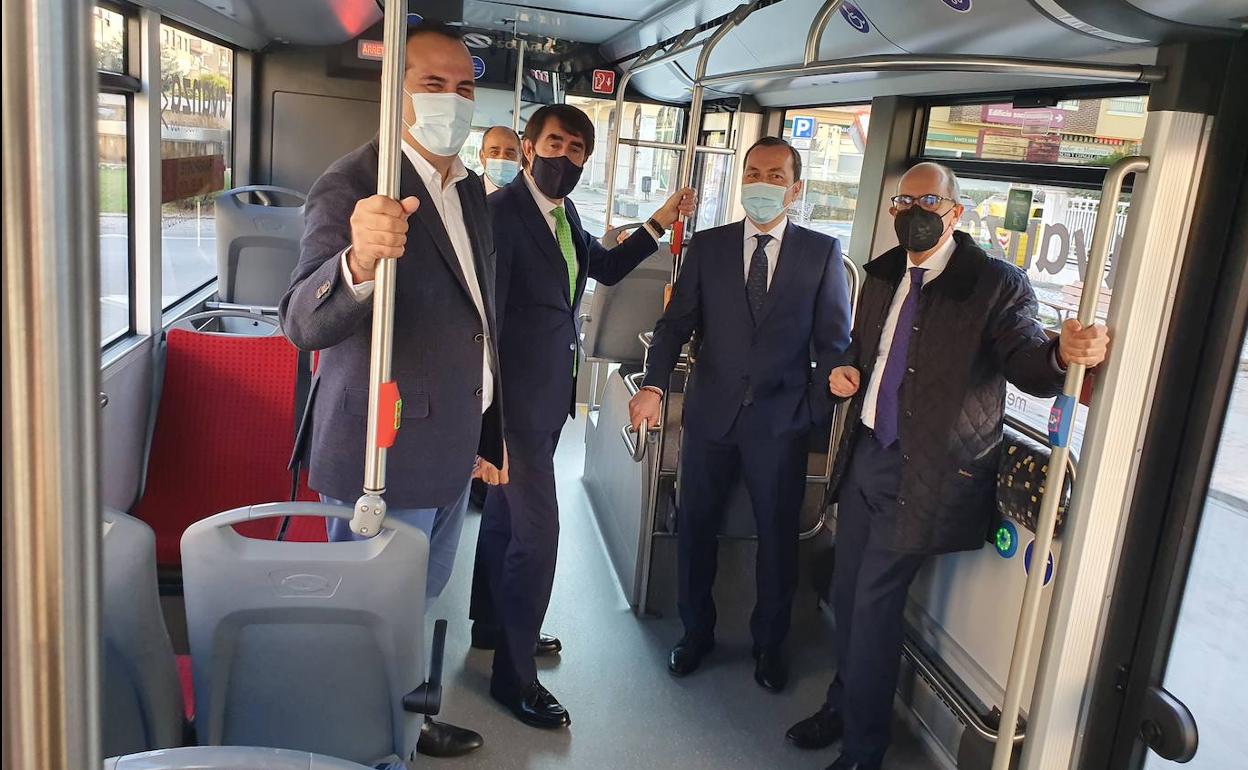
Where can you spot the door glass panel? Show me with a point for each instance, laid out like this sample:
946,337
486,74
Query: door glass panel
1208,668
1053,248
831,141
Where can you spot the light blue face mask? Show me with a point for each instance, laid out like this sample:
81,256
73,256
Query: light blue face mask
501,171
443,122
763,202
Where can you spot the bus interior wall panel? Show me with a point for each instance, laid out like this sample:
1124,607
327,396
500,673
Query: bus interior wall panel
123,426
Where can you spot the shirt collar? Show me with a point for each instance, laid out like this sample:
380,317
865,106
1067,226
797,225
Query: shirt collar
936,263
430,175
752,229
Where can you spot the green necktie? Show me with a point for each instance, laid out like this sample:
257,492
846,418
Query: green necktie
563,234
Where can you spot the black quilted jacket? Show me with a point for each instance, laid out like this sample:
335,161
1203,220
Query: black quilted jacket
977,328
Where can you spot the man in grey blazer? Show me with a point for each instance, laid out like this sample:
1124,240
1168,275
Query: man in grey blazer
445,360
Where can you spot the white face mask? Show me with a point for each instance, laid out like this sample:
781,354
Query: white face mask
443,122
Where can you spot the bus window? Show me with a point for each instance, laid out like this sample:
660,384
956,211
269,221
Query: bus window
714,182
113,152
831,141
196,151
1043,227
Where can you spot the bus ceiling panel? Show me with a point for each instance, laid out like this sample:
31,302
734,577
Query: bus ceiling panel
583,21
1228,14
672,20
255,23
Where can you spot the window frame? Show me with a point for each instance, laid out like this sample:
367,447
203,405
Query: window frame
126,85
174,309
1056,174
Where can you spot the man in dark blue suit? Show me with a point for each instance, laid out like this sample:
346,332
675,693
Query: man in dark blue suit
768,300
544,260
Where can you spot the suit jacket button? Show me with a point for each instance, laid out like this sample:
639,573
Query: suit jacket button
572,346
480,392
323,289
479,338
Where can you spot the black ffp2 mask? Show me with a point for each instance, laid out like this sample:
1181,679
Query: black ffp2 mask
918,230
555,177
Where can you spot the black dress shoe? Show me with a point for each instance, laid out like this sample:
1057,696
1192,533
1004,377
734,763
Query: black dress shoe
771,670
819,731
844,763
687,655
533,705
438,739
487,638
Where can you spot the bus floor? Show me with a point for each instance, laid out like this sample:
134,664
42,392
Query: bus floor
627,712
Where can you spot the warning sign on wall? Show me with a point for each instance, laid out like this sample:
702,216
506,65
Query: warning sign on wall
182,178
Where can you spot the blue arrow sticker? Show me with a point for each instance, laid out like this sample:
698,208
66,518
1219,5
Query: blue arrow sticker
478,67
1048,568
961,6
855,17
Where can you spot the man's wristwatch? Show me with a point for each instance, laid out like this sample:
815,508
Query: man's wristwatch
658,228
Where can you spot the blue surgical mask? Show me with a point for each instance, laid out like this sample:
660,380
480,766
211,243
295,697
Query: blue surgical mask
763,202
501,171
443,122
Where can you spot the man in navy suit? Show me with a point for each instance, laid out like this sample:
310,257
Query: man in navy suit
444,360
770,304
544,260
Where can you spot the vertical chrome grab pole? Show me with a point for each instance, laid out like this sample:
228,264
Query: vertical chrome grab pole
1060,421
370,509
613,138
519,88
815,35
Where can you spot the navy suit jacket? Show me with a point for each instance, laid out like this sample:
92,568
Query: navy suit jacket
438,341
538,322
805,319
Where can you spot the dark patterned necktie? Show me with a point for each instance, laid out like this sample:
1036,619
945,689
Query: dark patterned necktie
756,281
895,367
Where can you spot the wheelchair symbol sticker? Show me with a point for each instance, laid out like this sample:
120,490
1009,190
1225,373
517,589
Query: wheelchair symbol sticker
856,18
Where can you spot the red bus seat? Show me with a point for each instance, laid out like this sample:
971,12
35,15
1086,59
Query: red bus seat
223,436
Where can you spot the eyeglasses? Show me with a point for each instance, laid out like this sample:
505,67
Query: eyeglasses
929,202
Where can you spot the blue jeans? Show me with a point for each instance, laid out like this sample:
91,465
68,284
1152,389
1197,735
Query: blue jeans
442,526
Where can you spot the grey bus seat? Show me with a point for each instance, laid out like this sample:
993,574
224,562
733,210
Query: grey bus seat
142,696
617,313
257,245
309,646
228,758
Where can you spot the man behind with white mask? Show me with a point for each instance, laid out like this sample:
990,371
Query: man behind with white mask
444,361
767,299
500,157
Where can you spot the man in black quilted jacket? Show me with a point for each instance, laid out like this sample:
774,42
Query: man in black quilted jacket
941,327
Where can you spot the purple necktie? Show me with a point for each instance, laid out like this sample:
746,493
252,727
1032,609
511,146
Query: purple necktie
895,366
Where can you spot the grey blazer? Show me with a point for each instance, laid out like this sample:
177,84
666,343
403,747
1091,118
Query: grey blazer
438,339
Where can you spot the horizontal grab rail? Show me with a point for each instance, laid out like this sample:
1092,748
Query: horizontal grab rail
950,695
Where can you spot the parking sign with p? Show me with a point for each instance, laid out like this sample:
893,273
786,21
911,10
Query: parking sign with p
803,127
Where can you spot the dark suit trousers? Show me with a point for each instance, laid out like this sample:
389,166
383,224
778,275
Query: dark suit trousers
869,587
517,548
774,472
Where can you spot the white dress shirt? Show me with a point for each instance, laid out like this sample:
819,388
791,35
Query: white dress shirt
445,199
772,249
934,265
490,187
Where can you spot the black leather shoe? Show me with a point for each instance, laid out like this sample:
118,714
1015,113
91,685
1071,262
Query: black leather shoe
844,763
687,655
534,705
438,739
819,731
487,637
771,670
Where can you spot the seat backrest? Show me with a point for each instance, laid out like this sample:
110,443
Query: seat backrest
617,314
228,758
257,246
223,434
142,697
305,646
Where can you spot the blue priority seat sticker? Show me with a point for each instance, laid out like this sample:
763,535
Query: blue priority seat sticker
1061,419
